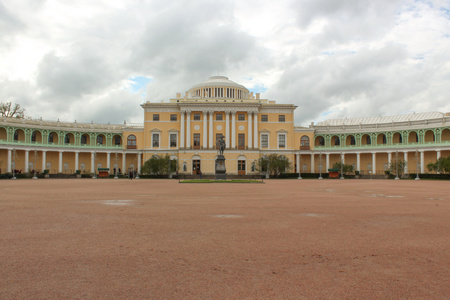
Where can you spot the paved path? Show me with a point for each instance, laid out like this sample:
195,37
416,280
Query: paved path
141,239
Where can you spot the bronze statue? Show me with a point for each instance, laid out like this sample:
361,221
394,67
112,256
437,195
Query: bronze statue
220,144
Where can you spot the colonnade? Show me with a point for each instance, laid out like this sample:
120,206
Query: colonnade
209,139
76,156
420,159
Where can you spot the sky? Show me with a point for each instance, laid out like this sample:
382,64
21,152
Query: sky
99,60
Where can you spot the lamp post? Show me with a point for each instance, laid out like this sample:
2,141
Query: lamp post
417,165
396,165
95,175
137,165
14,163
320,165
299,165
115,169
35,158
342,168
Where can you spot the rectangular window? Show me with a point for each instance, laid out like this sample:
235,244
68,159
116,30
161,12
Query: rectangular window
281,141
281,118
196,140
156,140
196,117
241,117
173,140
155,117
264,141
264,118
173,117
241,141
219,117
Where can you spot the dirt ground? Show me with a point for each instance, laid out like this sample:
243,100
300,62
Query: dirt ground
284,239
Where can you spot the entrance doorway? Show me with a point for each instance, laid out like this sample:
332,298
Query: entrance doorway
241,167
195,166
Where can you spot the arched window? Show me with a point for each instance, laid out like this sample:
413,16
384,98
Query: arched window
33,136
369,140
67,139
50,137
16,135
100,139
337,141
304,141
83,139
131,142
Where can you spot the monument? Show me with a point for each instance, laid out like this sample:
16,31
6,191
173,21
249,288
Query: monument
221,170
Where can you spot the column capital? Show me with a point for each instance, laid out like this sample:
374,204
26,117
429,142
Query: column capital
233,112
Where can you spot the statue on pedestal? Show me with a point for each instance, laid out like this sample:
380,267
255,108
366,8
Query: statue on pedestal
220,144
221,171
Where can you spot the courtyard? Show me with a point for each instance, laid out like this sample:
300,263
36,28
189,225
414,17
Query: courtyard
284,239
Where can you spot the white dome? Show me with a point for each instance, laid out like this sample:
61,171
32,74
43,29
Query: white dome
219,81
218,87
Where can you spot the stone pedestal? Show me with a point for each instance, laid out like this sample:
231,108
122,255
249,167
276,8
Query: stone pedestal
221,170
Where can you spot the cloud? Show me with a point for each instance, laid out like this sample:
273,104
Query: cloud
332,58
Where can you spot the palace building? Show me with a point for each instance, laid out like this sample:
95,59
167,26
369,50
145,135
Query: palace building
187,127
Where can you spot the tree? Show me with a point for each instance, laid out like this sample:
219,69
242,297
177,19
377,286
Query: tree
159,166
345,168
8,110
274,164
397,166
442,165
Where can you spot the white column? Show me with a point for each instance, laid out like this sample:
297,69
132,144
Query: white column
76,160
227,129
358,162
205,129
233,130
124,163
374,163
182,131
60,162
108,161
44,160
327,161
312,163
188,130
211,130
343,158
92,162
405,158
298,162
255,130
8,165
422,162
27,158
250,138
389,159
438,154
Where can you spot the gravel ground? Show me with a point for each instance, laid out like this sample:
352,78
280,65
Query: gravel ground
284,239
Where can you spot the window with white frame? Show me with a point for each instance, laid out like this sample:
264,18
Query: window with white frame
264,140
281,118
241,117
173,140
173,117
282,141
196,116
155,117
219,117
155,140
264,118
